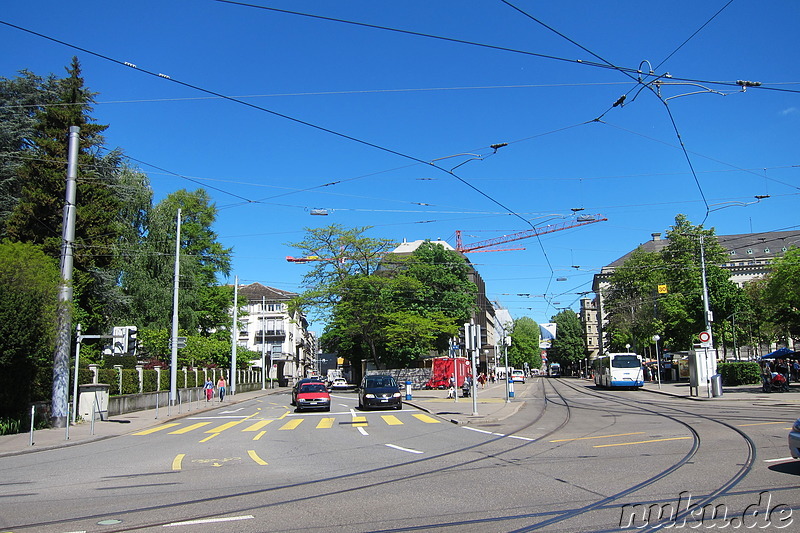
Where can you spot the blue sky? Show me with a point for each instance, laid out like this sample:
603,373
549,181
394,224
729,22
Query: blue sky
398,102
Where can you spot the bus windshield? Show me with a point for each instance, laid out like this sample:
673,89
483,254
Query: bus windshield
625,361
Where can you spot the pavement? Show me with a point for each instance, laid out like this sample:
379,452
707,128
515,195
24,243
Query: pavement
490,406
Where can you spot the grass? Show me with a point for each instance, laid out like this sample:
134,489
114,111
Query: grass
9,426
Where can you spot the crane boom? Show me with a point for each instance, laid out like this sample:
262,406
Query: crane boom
582,220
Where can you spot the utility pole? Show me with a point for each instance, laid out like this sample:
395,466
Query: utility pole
263,342
234,335
60,391
709,318
173,372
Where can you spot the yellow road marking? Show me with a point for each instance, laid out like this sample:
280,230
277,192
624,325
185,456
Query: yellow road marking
599,437
640,442
427,419
254,456
359,421
157,428
325,423
209,437
223,427
392,420
259,435
291,424
257,425
176,463
187,429
760,424
284,415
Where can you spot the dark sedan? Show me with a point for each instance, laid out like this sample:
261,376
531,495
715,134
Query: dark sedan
379,392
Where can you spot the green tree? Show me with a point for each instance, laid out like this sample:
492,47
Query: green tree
782,294
568,346
525,344
148,278
28,290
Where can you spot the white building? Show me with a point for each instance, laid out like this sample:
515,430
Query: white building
267,326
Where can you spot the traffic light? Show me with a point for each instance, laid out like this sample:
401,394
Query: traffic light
132,343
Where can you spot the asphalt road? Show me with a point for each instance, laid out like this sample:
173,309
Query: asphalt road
573,458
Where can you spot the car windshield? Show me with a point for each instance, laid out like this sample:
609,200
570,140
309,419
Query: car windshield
313,387
380,382
625,361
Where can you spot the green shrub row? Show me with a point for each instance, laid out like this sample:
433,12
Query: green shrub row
739,373
130,379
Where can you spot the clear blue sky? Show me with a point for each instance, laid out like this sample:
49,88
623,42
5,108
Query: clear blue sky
412,99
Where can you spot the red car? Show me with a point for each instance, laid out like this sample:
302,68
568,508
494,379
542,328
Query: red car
313,396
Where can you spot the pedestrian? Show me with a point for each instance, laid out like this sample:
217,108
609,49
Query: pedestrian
209,388
221,384
795,371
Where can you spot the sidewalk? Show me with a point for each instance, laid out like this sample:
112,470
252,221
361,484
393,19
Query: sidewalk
491,403
47,439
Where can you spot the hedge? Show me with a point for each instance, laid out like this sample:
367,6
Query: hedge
739,373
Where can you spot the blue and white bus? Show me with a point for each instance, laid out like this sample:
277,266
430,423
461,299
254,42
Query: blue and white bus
554,370
618,370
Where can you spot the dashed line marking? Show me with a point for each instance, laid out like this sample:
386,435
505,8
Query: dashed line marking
363,431
427,419
409,450
599,437
209,437
325,423
187,429
259,435
292,424
639,442
257,425
178,462
209,521
392,420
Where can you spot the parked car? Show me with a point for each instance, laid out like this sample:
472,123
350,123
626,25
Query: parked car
299,383
379,391
794,439
518,376
339,384
313,395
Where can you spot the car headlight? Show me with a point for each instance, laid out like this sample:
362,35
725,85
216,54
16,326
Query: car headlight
396,395
369,395
796,426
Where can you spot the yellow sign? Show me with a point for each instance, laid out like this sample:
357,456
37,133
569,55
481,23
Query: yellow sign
662,289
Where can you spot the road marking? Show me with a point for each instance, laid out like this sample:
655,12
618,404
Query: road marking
427,419
363,431
409,450
223,427
257,425
599,437
521,438
326,423
284,415
209,521
209,437
480,430
782,459
392,420
639,442
254,456
157,428
229,412
292,424
760,424
359,421
177,462
187,429
259,435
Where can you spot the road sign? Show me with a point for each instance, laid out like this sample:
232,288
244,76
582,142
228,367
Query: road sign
662,289
705,339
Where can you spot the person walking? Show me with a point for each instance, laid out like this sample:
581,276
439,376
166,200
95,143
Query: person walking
209,388
221,384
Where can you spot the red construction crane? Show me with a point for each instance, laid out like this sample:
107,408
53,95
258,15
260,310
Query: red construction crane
582,220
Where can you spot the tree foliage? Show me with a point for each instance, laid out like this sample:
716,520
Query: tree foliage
525,344
28,291
568,346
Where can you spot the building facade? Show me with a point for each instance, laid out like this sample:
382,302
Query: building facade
267,326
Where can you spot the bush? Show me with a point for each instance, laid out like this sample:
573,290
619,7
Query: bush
165,378
740,373
110,377
149,382
130,381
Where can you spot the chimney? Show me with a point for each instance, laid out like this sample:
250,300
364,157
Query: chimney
656,236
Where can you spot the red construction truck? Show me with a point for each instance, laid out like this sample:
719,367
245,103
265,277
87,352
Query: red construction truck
445,367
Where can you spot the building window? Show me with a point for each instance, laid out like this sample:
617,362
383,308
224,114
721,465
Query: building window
766,250
733,252
750,251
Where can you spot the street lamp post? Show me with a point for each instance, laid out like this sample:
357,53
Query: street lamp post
656,338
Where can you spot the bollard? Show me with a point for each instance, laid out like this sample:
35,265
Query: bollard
67,426
33,416
156,405
93,412
408,391
510,388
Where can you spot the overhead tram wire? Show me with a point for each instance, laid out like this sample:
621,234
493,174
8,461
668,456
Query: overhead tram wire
266,110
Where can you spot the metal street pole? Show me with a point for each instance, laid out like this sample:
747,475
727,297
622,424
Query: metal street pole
656,338
78,340
60,391
173,371
263,343
234,335
476,330
506,342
